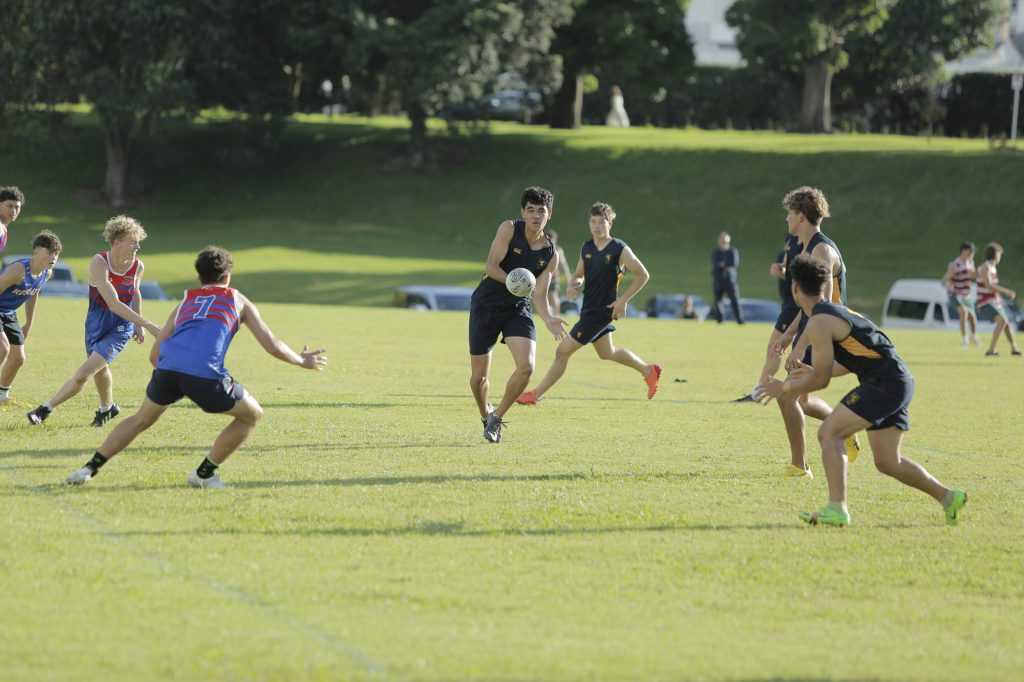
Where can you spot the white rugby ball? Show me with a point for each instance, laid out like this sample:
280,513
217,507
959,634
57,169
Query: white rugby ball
520,282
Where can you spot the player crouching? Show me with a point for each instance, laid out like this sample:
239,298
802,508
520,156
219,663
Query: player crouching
189,360
879,404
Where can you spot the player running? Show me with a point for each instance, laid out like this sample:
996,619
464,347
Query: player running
989,292
189,360
20,283
114,317
842,340
957,280
806,208
11,203
494,311
603,261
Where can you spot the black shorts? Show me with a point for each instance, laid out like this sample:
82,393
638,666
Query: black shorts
591,327
786,316
212,395
883,403
486,324
12,328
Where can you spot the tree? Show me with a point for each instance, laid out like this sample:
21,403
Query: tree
639,44
809,35
437,52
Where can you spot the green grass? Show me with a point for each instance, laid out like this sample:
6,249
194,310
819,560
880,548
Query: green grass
372,534
328,216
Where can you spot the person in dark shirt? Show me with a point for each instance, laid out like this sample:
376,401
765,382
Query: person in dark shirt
842,341
603,261
495,311
725,260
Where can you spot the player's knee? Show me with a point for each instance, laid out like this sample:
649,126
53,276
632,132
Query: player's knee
827,435
257,413
478,380
525,369
887,465
606,353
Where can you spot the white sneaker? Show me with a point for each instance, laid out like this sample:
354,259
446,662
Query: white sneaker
212,482
975,340
963,342
83,475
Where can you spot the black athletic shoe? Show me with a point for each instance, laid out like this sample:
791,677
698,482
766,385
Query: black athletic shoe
39,415
745,399
492,429
103,417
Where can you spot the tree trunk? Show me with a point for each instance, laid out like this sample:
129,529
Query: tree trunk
115,185
417,134
567,110
816,108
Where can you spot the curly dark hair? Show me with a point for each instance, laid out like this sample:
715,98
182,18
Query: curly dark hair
538,196
213,263
49,241
8,193
810,274
604,210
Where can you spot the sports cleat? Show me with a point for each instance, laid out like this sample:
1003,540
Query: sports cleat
212,482
748,398
992,353
4,398
852,445
102,417
975,340
492,429
826,516
83,475
953,510
528,398
490,408
1015,351
39,415
793,471
652,380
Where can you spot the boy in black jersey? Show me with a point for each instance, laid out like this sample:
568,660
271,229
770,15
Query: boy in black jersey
603,261
843,341
494,311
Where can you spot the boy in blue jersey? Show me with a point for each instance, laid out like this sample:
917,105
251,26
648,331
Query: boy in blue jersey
603,261
842,341
189,359
114,317
20,283
495,312
11,202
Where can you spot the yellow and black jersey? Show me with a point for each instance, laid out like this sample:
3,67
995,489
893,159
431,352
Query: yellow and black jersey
867,352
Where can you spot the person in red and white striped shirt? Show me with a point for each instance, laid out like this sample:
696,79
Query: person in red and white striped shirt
989,292
958,285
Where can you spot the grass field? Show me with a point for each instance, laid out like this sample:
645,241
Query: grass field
371,533
331,210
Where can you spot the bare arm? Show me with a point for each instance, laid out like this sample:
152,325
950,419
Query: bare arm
98,278
499,247
563,263
947,277
640,278
804,379
139,334
14,274
165,333
555,325
572,288
250,317
826,253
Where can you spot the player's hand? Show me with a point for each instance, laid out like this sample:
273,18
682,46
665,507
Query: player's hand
557,326
778,349
139,334
1012,294
25,330
769,389
618,308
313,359
794,362
801,370
572,292
776,270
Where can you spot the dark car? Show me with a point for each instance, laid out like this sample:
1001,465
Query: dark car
504,105
151,291
671,306
754,310
430,297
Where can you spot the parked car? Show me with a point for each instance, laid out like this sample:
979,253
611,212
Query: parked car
925,304
504,105
671,306
568,307
62,284
151,291
430,297
754,310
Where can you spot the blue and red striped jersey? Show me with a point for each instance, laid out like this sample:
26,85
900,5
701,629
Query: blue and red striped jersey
206,323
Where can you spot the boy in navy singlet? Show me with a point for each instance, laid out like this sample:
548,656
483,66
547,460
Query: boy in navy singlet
11,203
189,359
113,318
603,260
842,340
20,283
494,311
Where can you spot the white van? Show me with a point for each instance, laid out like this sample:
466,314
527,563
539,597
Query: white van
922,304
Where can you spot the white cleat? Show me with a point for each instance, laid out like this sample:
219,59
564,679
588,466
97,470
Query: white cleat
80,477
212,482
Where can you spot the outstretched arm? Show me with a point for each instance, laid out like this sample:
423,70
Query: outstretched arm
555,325
165,333
640,278
307,359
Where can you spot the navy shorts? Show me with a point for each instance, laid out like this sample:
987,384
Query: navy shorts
12,328
882,402
212,395
786,316
485,324
591,327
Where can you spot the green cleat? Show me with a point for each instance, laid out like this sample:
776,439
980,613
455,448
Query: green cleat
826,517
953,510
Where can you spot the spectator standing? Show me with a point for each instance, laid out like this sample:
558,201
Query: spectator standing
725,261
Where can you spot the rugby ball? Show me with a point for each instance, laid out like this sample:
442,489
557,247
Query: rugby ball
520,282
